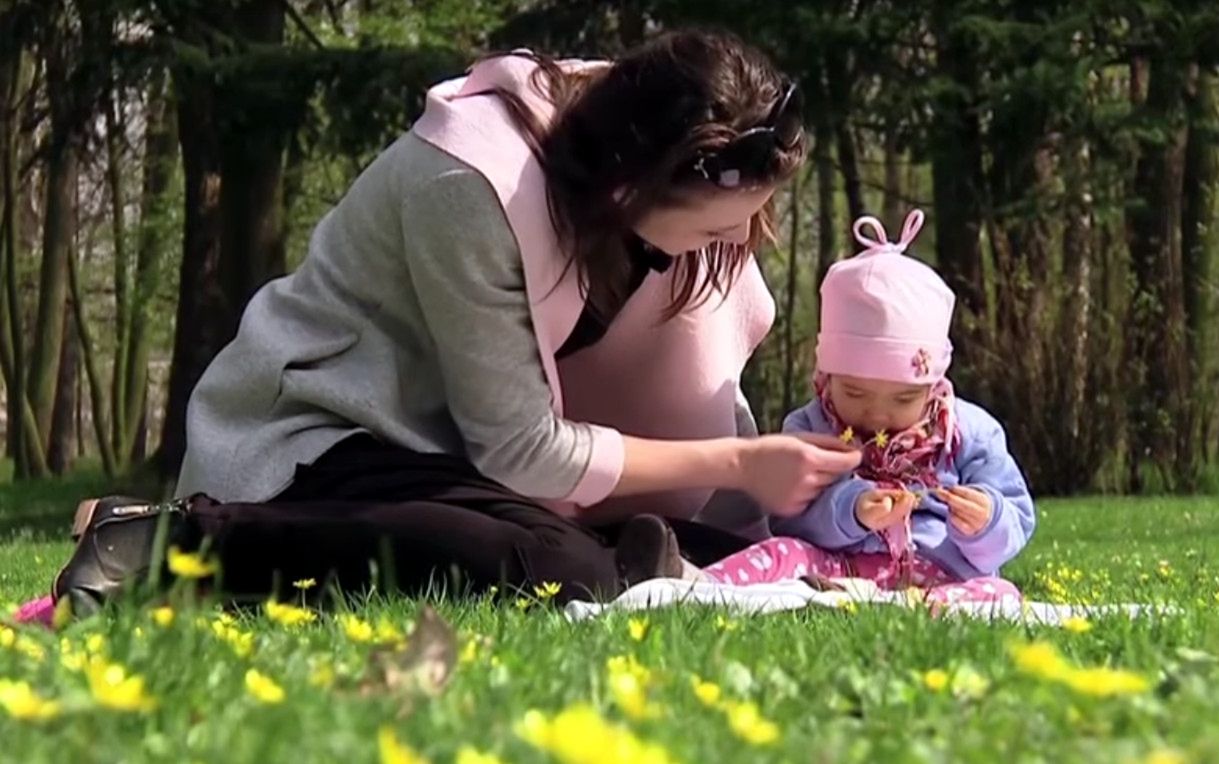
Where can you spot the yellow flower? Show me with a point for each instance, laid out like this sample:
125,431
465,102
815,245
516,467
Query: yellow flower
263,687
189,564
113,688
393,752
579,735
547,590
1076,625
881,439
638,628
21,702
288,615
708,693
95,644
847,435
163,616
62,614
1041,659
242,642
468,755
305,584
70,658
628,684
935,679
748,724
356,628
20,643
386,632
523,603
726,624
1106,682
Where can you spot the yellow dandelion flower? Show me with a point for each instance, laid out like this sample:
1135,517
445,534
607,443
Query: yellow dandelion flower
263,687
471,650
20,701
726,624
935,679
386,632
631,695
189,564
523,603
547,590
708,693
968,683
288,615
305,584
638,628
113,688
747,723
1106,682
468,755
579,735
95,644
241,642
356,628
71,659
1077,625
394,752
1041,659
881,439
847,435
163,616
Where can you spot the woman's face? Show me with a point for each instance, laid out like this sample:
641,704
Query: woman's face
702,220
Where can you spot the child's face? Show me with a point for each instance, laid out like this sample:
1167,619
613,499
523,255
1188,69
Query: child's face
874,404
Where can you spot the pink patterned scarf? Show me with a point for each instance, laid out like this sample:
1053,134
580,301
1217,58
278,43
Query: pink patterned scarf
905,460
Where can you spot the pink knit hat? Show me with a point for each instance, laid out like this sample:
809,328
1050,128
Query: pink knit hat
885,315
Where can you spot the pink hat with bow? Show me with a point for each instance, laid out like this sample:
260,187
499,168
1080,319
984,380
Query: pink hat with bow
885,315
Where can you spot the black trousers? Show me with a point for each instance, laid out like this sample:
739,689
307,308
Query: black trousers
367,513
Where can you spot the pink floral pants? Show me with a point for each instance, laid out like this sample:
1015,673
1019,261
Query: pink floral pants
779,559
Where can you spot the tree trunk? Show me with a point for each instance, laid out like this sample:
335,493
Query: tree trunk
1200,262
12,350
116,139
823,160
84,336
197,335
159,157
891,204
63,433
1157,352
789,298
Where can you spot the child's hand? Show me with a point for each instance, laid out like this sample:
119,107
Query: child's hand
969,509
877,510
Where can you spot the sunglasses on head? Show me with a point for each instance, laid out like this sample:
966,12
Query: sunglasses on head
748,156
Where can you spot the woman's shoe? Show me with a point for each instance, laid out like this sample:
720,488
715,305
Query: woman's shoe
647,548
117,538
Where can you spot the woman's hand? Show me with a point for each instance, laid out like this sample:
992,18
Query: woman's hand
785,472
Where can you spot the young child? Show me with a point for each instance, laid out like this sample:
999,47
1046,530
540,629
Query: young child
938,501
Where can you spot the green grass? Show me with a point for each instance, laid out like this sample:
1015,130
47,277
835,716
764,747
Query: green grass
840,686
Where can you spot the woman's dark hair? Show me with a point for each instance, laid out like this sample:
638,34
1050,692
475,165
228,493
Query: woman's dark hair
626,138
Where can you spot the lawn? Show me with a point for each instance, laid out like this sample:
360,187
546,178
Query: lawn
685,685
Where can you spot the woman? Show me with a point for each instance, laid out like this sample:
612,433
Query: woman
528,316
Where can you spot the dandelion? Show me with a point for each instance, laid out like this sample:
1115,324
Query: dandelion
356,628
747,723
113,688
1106,682
579,735
62,614
547,590
1165,756
468,755
304,584
394,752
881,439
263,687
847,435
22,644
523,603
288,615
628,684
1077,625
95,644
241,642
935,679
20,701
638,628
726,624
189,564
1041,659
163,616
708,693
386,632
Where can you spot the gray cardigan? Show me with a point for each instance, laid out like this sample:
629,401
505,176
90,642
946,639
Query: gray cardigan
408,319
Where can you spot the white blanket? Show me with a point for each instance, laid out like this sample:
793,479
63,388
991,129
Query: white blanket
793,595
